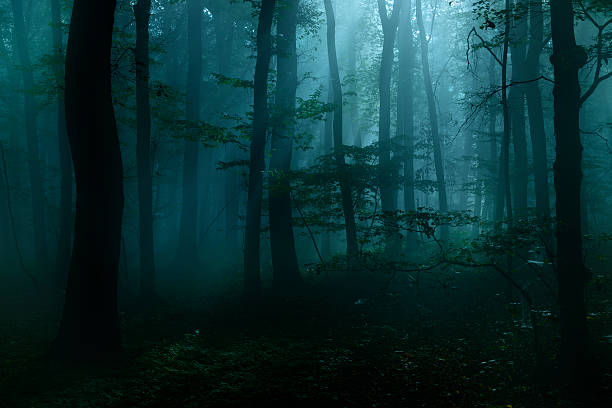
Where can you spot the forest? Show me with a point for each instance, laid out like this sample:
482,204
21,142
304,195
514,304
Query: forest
298,203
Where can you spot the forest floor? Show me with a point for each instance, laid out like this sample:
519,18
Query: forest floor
326,349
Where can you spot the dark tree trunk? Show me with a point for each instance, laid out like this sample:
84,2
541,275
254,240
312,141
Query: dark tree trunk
187,251
492,157
36,182
405,102
286,271
503,183
90,321
388,190
567,59
336,87
534,108
516,108
433,117
252,279
62,261
142,11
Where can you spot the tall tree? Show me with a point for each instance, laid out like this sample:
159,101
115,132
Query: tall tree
388,192
336,88
187,249
30,112
90,321
433,115
503,195
534,107
65,235
252,279
516,103
567,59
405,101
142,12
286,271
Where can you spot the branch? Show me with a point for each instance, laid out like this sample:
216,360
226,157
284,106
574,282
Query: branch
484,45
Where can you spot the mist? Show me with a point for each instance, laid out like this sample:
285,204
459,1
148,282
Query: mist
353,203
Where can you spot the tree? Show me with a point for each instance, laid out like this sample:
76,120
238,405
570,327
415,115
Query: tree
286,271
142,11
252,280
433,116
90,320
336,90
388,192
30,113
567,59
65,235
187,249
405,101
517,42
534,107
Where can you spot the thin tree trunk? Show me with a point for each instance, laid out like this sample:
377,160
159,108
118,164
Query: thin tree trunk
90,321
503,184
516,108
433,117
36,182
336,86
142,11
252,279
405,102
567,59
535,111
388,190
188,237
62,261
285,268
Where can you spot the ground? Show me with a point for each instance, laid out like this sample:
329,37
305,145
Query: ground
326,347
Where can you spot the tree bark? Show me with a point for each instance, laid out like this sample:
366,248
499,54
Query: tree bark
534,109
516,108
433,117
336,87
142,11
285,268
30,112
90,321
567,59
252,279
187,250
405,102
388,190
503,195
62,261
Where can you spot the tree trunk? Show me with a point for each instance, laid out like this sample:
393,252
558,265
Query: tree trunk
492,157
503,184
286,271
30,111
62,261
388,190
187,250
534,108
433,117
142,11
336,87
567,59
252,280
90,321
516,108
405,102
